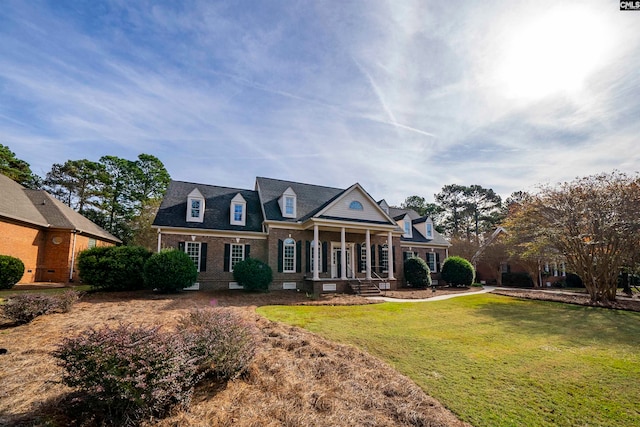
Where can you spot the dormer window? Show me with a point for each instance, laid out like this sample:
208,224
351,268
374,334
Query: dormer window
356,206
288,205
195,206
238,213
384,205
429,229
407,226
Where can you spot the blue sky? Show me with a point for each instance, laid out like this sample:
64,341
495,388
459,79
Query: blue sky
401,96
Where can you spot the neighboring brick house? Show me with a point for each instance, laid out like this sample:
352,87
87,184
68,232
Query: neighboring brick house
494,269
44,233
315,238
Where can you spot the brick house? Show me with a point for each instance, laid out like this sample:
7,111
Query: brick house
44,233
315,238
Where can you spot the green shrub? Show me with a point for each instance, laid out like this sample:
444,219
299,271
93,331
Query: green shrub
127,373
253,275
518,280
457,271
113,268
11,271
24,308
417,273
222,342
170,271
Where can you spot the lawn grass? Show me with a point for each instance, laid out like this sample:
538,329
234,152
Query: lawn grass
499,361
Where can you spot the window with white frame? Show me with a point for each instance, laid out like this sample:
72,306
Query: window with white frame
289,206
407,227
363,258
238,210
431,262
195,206
429,230
287,203
384,258
356,206
289,256
193,250
237,255
91,243
313,257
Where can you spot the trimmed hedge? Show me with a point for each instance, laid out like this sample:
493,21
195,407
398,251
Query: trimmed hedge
417,273
457,271
113,268
170,270
11,271
253,275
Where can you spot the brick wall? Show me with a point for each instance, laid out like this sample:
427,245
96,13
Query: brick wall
24,243
215,277
46,254
422,253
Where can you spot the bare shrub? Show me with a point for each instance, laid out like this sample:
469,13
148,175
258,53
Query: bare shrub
129,373
222,341
24,308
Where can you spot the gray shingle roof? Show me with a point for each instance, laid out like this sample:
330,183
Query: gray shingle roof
15,204
40,208
310,198
417,237
173,210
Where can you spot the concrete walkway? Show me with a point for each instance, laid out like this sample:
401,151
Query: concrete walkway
438,298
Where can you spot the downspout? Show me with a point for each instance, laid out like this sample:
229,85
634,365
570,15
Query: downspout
73,255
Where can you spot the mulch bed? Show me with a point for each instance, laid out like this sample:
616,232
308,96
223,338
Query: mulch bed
622,303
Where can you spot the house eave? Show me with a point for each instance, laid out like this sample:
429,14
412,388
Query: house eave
210,233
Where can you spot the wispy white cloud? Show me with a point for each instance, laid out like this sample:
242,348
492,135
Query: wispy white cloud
399,96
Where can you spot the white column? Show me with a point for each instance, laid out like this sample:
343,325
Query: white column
159,240
343,254
316,253
390,255
367,242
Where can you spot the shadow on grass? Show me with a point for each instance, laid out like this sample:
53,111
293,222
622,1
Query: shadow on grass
575,324
76,408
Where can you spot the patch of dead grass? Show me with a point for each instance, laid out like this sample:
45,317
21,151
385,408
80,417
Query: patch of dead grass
296,379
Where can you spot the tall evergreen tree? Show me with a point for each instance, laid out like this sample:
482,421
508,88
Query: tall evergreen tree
16,169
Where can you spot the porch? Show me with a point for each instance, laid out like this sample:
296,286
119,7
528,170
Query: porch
358,286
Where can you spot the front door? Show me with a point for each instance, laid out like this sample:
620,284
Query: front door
336,262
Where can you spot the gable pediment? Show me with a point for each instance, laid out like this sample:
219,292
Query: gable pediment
355,204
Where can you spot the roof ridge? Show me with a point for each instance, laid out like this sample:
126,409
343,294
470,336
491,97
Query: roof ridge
301,183
211,185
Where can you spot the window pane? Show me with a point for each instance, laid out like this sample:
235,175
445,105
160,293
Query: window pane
237,254
193,250
237,213
289,205
289,256
385,258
